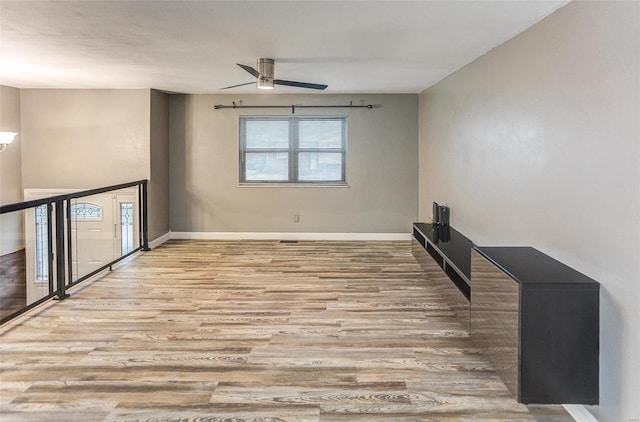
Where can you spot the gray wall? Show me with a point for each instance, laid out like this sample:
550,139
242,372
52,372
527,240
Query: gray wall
382,169
75,138
11,225
538,143
91,138
159,183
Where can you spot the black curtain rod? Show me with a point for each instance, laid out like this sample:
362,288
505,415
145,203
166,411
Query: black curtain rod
292,107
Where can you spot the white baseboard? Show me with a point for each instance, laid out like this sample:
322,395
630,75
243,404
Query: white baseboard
288,236
580,413
160,240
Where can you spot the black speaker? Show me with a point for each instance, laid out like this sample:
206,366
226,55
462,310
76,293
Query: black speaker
436,214
444,215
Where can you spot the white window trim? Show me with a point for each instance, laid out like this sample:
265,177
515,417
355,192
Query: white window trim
293,150
293,185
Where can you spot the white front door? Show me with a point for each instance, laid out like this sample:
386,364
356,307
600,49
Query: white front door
103,227
93,231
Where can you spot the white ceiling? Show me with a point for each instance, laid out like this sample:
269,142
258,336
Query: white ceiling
192,46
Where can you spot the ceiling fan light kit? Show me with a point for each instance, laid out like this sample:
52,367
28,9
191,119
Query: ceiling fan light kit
265,77
264,83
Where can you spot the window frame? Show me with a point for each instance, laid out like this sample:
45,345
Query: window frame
293,151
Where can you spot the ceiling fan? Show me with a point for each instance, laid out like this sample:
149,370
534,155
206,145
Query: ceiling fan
265,79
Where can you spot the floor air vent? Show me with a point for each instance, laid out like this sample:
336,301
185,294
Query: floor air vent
288,241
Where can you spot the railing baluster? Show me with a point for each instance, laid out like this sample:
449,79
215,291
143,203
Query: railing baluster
51,253
69,244
60,256
145,214
140,238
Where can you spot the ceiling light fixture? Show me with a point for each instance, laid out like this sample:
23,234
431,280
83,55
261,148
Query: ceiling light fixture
5,139
265,83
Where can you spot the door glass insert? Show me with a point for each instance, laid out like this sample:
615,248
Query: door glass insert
126,227
85,211
42,244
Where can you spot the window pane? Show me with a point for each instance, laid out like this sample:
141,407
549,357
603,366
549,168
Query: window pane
267,134
320,133
320,166
267,166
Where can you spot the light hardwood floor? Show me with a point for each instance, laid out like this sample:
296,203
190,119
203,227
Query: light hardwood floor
261,330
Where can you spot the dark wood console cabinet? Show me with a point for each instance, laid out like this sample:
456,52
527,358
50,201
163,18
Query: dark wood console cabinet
451,250
538,322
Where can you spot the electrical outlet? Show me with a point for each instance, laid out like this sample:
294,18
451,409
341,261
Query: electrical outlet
296,218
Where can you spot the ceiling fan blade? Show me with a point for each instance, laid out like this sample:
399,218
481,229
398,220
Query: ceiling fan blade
249,69
299,84
234,86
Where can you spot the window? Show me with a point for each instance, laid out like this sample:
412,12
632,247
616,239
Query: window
293,150
86,211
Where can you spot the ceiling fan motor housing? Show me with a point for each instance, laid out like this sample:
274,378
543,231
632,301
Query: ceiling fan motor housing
265,68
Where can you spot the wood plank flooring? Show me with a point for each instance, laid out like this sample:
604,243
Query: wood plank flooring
13,286
254,331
